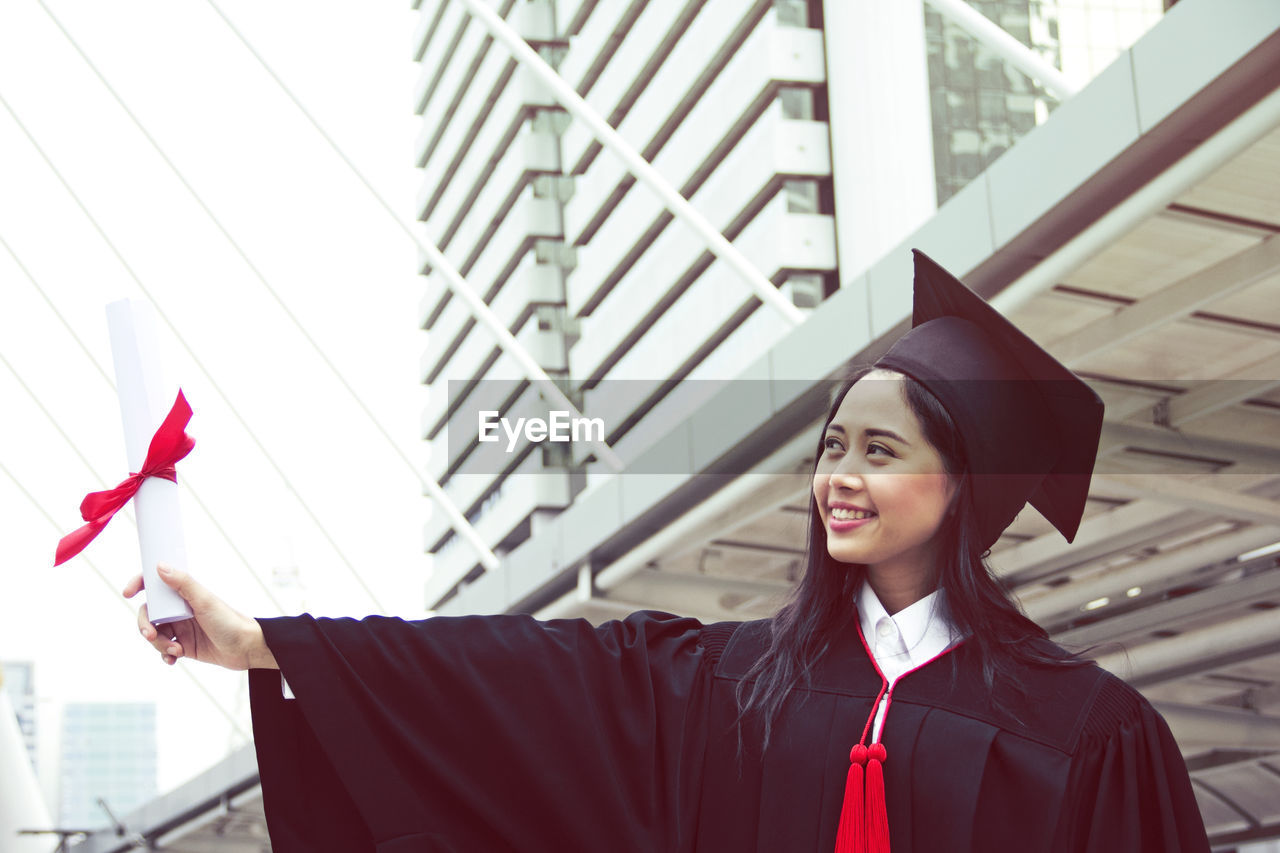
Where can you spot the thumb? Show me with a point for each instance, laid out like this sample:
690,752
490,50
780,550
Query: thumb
182,583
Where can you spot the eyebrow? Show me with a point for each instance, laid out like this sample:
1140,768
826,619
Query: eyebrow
872,432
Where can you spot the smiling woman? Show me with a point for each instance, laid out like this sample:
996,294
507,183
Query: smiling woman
899,694
882,489
924,459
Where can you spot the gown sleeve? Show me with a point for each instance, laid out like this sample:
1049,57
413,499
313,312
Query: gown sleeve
481,733
1129,790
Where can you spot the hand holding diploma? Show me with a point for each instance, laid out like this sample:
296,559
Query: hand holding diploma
215,634
154,443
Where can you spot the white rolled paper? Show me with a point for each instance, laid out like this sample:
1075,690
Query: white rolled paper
145,400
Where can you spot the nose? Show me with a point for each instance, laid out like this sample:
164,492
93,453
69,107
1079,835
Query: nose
847,473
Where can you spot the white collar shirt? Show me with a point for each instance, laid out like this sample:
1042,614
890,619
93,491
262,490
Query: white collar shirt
899,643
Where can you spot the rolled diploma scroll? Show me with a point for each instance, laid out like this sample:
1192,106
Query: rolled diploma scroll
144,401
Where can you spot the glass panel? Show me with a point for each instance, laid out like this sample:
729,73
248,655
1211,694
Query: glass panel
802,196
792,13
797,102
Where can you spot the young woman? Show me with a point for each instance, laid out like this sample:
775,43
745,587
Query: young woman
898,699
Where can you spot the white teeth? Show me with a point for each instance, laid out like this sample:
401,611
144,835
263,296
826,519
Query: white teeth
847,514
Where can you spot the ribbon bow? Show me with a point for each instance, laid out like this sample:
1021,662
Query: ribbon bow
170,444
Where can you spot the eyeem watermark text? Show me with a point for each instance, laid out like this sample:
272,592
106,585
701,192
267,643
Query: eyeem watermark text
561,426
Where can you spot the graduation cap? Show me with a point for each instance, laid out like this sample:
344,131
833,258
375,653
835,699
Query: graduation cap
1030,426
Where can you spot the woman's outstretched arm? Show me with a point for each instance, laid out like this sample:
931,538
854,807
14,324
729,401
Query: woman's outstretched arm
216,633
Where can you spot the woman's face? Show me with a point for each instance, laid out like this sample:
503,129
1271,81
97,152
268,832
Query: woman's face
881,488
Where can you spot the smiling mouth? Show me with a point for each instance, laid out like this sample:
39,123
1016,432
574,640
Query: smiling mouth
842,514
840,525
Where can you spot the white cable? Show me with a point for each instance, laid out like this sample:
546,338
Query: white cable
509,345
191,489
1008,48
127,606
333,368
191,354
604,133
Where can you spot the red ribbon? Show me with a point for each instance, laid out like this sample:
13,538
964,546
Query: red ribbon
170,444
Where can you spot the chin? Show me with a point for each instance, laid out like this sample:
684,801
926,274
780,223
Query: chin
849,556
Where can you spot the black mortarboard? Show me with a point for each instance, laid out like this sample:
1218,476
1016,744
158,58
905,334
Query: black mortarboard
1030,426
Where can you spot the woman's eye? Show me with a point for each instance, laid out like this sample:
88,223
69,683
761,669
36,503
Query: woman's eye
886,451
831,443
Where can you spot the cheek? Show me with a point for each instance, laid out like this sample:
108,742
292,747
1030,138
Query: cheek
819,485
934,495
923,493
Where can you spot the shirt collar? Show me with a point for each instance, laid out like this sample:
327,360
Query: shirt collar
926,632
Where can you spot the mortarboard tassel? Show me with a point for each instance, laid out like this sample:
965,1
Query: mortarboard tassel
877,814
852,835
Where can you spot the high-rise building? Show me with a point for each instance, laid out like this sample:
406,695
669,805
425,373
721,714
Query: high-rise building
584,267
18,679
981,104
769,116
108,753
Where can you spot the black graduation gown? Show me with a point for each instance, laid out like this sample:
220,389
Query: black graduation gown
496,733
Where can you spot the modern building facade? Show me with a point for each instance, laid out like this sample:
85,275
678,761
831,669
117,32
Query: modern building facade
731,104
109,754
981,105
585,268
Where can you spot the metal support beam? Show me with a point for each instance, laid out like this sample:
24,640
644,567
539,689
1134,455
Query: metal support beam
486,318
1248,457
1182,491
597,610
1228,593
1199,727
1252,381
1155,196
636,164
747,497
1178,300
1195,651
1099,535
1071,597
1006,46
676,591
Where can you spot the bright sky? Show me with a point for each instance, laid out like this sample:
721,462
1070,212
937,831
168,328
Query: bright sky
332,254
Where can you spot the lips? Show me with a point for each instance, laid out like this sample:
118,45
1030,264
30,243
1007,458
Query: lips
842,519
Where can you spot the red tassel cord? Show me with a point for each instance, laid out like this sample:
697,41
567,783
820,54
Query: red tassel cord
864,815
852,835
864,819
877,815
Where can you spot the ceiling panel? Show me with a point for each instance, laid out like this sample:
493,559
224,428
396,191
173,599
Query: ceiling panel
1180,351
1247,187
1159,252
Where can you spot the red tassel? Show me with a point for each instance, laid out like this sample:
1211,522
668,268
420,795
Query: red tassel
876,812
852,834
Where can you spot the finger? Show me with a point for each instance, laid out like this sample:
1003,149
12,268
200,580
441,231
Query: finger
167,646
145,628
169,659
162,639
185,585
133,587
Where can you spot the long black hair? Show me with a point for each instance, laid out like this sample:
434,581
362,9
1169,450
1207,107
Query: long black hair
824,602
